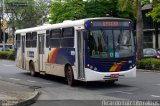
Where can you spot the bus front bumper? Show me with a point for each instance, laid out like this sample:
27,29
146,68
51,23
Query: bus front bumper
91,75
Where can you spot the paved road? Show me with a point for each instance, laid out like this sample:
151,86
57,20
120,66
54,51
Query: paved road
145,87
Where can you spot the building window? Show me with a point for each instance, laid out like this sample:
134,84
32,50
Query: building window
55,38
148,40
67,37
18,40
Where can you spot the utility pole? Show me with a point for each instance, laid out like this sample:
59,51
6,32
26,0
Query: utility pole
0,22
4,30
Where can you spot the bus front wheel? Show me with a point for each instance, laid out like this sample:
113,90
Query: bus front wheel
111,82
69,75
32,69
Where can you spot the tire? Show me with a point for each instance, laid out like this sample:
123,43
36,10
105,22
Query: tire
32,69
69,76
111,82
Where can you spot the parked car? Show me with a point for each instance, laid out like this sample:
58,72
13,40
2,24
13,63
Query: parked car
7,47
149,53
158,53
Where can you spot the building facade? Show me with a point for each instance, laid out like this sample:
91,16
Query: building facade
151,30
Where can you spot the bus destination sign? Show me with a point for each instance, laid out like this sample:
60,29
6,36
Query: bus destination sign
110,23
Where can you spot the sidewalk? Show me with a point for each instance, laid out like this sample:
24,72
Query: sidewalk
16,94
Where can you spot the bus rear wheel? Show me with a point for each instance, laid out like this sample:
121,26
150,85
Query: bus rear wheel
69,75
32,69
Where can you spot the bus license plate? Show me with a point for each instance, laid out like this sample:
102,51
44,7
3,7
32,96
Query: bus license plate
114,75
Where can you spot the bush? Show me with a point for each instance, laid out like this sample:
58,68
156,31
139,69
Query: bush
149,63
7,54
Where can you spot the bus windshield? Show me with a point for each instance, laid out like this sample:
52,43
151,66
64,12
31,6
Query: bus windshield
111,43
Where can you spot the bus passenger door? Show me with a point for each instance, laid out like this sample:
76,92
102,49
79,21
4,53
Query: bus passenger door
80,54
23,52
41,51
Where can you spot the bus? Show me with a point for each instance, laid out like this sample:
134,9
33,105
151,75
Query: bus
92,49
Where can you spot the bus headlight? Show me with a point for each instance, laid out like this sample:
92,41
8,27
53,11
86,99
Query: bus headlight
95,69
130,67
133,65
91,67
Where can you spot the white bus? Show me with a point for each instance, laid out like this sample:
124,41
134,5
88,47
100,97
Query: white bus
93,49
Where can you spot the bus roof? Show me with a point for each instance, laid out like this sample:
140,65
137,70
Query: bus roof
66,23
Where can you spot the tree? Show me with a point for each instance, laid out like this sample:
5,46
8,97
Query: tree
99,8
139,22
43,7
77,9
155,13
68,10
103,8
24,13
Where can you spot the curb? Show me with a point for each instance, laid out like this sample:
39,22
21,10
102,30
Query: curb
30,100
144,70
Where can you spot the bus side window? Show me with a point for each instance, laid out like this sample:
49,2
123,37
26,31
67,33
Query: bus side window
47,38
55,38
34,40
28,40
67,37
18,39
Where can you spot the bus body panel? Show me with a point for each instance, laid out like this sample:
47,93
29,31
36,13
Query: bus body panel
56,59
18,58
31,55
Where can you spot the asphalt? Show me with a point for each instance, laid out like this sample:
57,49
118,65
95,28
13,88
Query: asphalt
12,94
20,94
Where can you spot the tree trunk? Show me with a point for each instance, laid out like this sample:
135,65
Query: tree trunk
139,32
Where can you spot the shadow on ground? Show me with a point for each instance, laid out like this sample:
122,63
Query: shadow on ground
95,85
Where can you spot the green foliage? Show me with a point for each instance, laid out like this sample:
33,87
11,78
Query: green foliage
125,9
130,6
145,2
24,16
7,54
69,10
155,13
149,63
78,9
99,8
